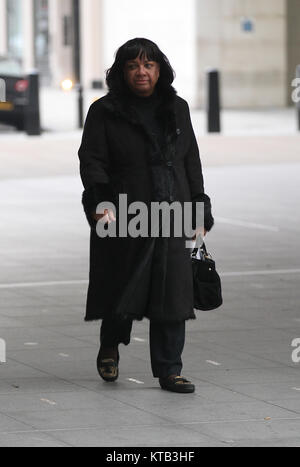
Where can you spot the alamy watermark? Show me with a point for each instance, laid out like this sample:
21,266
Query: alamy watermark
162,217
2,90
2,351
296,352
296,92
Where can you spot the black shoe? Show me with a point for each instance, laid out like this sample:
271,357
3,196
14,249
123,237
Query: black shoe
177,384
108,368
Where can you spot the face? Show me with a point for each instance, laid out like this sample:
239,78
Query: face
141,75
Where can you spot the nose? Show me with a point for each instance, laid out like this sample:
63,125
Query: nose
141,71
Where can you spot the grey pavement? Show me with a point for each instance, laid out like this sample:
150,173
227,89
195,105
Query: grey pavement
240,356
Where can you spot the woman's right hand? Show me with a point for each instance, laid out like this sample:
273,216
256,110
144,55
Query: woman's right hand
107,217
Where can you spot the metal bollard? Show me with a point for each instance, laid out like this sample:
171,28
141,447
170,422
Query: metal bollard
79,89
213,101
32,112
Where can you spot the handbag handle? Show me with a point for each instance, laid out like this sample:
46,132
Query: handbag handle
195,250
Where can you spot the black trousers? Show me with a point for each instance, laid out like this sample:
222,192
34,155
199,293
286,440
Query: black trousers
166,343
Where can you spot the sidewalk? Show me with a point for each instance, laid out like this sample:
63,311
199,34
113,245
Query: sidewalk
56,153
240,357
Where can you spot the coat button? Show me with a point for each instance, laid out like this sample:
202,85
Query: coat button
178,131
169,164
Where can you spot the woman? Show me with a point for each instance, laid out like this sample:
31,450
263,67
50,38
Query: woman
138,140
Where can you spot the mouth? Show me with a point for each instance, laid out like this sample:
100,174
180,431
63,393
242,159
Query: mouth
142,81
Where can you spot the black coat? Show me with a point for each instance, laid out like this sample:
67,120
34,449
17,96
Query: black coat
139,277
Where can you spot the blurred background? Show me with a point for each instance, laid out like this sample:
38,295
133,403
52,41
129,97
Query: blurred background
254,45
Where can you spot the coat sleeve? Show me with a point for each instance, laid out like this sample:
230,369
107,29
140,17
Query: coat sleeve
194,172
94,163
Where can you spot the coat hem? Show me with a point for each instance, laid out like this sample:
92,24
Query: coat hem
187,318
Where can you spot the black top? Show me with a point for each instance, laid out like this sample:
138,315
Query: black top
146,109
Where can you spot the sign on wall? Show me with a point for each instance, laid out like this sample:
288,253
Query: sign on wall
247,25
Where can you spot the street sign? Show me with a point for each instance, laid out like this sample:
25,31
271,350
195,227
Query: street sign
247,25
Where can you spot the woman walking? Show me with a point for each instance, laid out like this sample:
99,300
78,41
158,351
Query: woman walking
138,140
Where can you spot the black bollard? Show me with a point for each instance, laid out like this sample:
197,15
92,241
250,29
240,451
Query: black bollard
79,89
32,111
80,99
213,102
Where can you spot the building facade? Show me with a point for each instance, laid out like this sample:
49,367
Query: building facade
41,34
256,46
254,43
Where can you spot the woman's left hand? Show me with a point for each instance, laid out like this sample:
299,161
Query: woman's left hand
199,231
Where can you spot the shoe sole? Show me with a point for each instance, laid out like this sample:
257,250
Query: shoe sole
108,379
182,390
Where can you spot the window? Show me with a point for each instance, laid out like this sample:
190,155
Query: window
41,33
14,28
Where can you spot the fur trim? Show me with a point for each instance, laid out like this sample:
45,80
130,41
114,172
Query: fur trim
208,217
120,107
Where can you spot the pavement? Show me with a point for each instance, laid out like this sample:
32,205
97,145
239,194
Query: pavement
239,357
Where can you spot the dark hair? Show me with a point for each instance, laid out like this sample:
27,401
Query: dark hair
142,48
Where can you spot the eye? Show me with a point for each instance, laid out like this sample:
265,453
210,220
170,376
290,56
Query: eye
131,66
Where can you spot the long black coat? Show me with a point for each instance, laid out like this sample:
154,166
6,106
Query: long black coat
139,277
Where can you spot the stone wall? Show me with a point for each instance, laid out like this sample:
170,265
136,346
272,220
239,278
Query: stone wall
253,64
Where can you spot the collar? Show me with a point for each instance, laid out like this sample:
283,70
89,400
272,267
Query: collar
121,107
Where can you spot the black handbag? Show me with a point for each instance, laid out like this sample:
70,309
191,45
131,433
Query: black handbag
207,282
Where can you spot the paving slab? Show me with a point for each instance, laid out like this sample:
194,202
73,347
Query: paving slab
30,440
266,432
141,436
